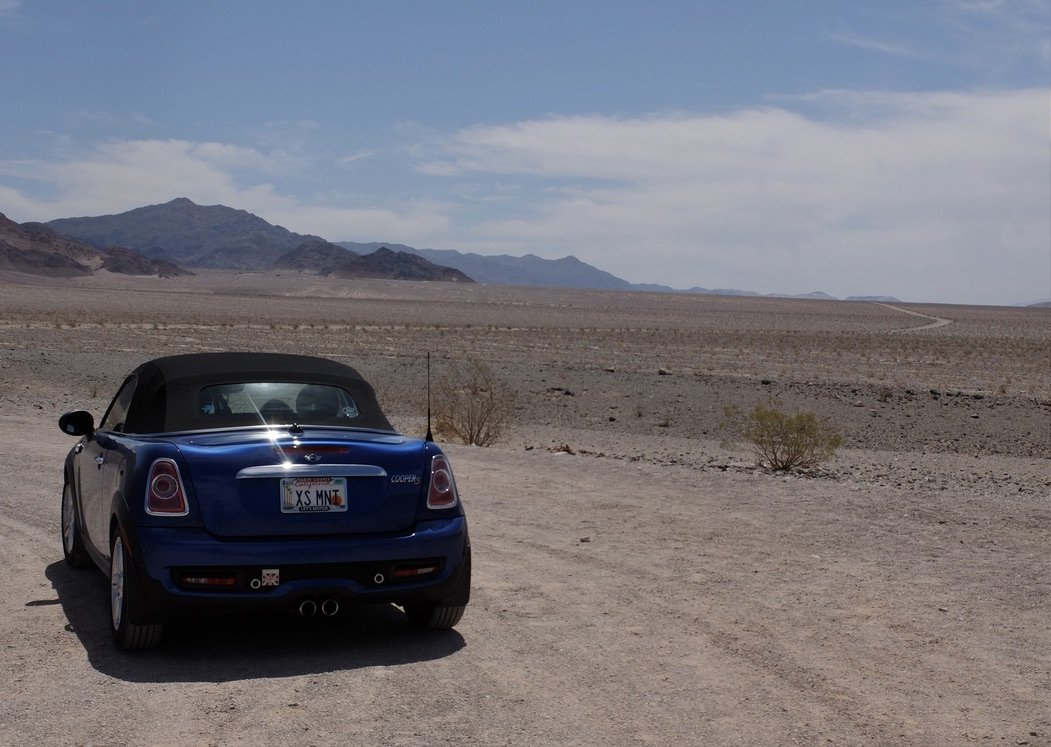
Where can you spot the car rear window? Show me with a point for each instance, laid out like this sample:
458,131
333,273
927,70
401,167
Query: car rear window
276,403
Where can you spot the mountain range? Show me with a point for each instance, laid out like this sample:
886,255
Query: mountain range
217,236
503,269
181,234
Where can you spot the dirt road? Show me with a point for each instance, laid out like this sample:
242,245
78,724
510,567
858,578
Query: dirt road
615,603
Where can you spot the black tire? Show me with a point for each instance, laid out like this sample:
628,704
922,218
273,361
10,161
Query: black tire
445,613
72,544
433,616
126,603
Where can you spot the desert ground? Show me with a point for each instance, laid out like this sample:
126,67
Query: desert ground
636,580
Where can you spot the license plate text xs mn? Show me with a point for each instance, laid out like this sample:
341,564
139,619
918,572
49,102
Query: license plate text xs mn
300,495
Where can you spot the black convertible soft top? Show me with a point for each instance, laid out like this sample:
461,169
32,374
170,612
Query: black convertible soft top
167,389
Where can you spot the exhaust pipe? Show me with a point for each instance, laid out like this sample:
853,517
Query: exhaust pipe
329,607
307,608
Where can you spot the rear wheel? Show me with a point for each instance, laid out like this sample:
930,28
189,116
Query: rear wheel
125,601
433,616
444,613
72,545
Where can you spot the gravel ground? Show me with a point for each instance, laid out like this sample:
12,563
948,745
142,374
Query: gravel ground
636,582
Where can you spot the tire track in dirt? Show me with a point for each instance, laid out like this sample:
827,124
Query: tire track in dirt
660,595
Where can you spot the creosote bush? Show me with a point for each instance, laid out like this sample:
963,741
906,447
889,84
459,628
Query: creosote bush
781,441
471,405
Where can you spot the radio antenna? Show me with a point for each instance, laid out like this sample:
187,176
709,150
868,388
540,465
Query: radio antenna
429,436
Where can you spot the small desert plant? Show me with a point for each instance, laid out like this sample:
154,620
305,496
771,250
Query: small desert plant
781,441
471,405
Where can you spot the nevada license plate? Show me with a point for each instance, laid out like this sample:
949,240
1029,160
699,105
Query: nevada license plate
302,495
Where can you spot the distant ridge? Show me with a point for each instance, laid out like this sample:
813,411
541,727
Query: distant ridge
874,299
567,272
502,269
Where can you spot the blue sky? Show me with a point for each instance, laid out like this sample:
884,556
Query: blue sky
898,148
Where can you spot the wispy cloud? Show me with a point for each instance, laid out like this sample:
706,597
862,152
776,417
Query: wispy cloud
991,36
892,49
120,175
909,193
1002,32
349,160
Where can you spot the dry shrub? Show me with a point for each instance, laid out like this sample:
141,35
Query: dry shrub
781,441
471,405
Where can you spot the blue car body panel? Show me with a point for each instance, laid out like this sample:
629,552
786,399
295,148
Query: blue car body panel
381,542
351,566
237,483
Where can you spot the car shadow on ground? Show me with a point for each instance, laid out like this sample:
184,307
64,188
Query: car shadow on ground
233,647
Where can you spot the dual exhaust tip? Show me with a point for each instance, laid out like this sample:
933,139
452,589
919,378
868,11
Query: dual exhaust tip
329,607
309,608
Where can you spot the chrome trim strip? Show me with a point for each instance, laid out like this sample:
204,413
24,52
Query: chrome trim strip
311,470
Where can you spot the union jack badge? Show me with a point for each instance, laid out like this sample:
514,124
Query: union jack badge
271,577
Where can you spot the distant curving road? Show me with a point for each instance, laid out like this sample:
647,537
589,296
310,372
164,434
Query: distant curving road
935,321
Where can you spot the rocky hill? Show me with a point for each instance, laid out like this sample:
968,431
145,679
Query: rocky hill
129,262
35,249
324,258
386,263
314,255
188,234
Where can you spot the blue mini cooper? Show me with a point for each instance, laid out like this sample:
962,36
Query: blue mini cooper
254,481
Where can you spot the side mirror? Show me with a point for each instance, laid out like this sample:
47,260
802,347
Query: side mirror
77,423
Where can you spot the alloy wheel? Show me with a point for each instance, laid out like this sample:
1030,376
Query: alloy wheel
116,583
69,523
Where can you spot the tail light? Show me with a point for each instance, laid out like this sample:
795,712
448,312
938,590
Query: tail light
165,495
441,491
416,570
206,580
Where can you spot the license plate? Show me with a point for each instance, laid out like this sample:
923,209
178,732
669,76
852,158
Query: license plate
303,495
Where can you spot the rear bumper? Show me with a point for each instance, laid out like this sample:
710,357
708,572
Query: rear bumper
279,574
